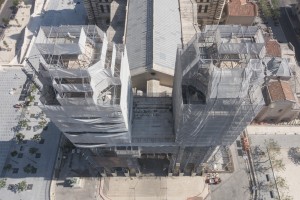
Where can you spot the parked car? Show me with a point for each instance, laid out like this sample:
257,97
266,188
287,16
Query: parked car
18,105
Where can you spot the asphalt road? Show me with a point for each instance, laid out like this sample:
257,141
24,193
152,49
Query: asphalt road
289,31
6,11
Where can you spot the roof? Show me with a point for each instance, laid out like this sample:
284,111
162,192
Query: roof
280,90
273,48
153,33
241,8
278,67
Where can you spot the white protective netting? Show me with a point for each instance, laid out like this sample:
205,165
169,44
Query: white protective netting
214,103
93,101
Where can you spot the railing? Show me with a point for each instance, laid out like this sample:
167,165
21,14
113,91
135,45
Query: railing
162,94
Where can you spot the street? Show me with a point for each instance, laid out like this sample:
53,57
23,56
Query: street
289,30
5,12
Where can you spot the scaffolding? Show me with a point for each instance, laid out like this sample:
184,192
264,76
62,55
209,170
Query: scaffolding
86,88
218,84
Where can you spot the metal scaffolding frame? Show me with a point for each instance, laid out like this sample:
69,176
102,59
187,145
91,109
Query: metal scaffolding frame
217,90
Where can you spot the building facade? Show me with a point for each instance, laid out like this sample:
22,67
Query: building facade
239,12
98,12
109,16
209,11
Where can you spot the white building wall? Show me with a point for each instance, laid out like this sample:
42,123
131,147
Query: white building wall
126,91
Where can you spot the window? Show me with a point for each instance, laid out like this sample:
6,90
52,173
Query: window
102,8
108,8
72,80
205,9
199,9
201,1
207,1
280,110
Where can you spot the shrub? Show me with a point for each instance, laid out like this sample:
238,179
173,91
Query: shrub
14,153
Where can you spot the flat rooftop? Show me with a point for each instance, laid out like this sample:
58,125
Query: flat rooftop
70,47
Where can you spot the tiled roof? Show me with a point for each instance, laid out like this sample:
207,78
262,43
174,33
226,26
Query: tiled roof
273,48
241,8
280,90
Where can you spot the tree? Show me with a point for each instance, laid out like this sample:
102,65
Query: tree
22,186
37,137
276,11
2,183
14,153
33,150
16,3
294,155
20,137
43,123
265,8
33,88
281,183
23,123
5,21
285,197
278,165
5,44
273,147
27,168
7,167
31,98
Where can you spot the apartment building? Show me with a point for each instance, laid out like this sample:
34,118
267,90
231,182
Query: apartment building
240,12
109,16
209,11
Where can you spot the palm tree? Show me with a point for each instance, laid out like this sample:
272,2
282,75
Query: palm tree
22,186
20,137
33,150
2,183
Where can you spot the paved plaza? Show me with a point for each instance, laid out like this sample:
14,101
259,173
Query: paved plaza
14,90
11,43
153,188
292,170
236,185
11,84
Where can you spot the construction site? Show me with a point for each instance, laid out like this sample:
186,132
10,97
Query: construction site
80,76
219,83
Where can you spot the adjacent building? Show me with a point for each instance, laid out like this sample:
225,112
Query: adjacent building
109,16
209,11
281,93
153,31
98,12
240,12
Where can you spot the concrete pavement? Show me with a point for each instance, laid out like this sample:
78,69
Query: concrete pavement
292,171
236,185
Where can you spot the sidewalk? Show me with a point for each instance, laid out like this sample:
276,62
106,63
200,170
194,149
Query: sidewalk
10,44
292,18
272,129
